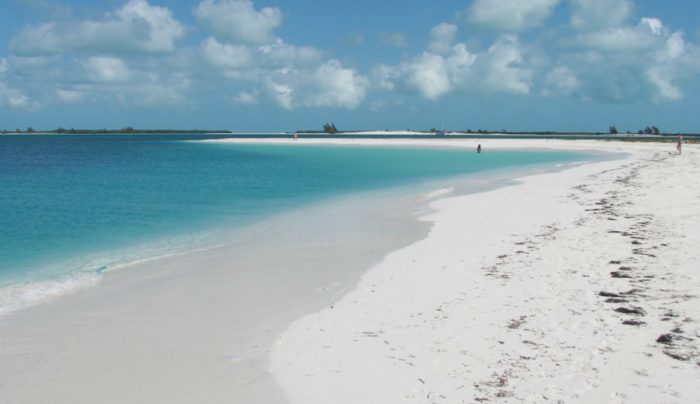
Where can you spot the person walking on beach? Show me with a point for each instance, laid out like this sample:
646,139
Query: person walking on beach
478,148
680,143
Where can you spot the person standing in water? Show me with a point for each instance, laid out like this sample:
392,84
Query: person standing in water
680,144
478,148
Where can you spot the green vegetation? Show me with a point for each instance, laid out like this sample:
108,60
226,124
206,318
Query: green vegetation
649,131
330,128
126,130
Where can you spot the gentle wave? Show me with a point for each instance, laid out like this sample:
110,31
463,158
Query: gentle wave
438,193
20,296
69,277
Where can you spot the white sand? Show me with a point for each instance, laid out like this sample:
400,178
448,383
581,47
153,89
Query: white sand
197,328
499,302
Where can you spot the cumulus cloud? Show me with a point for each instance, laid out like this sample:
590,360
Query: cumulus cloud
329,85
245,49
647,34
647,61
561,80
237,21
509,15
136,27
441,38
70,96
246,62
429,74
504,70
225,55
596,14
451,67
106,69
279,55
16,99
246,98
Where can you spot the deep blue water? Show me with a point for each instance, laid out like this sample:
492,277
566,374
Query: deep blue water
68,203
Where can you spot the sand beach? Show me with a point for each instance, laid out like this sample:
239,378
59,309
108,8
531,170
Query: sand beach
578,285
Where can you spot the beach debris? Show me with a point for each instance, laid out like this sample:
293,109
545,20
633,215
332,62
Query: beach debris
516,323
615,300
677,356
631,292
666,339
616,274
634,310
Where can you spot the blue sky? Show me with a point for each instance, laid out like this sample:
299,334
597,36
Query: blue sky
396,64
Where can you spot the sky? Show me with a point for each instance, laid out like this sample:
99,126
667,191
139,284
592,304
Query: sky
272,65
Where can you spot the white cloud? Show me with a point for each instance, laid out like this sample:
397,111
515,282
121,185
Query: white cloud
441,38
662,82
510,15
280,55
225,55
654,25
384,77
446,67
4,66
246,98
70,96
136,27
19,101
16,99
628,63
283,94
249,63
237,21
596,14
245,49
504,70
428,73
561,80
646,35
393,39
329,85
105,69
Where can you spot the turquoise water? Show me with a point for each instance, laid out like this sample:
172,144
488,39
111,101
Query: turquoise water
85,204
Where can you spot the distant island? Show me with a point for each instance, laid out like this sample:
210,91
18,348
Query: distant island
331,129
126,130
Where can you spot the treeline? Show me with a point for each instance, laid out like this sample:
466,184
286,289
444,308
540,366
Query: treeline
125,130
649,130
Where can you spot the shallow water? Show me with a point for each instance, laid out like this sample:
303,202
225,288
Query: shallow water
75,206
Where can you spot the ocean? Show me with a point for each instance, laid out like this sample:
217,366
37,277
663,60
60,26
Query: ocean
76,206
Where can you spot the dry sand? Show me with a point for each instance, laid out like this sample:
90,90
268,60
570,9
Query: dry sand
576,286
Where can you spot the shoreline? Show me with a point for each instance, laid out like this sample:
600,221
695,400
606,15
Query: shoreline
201,324
198,326
575,286
208,344
33,290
